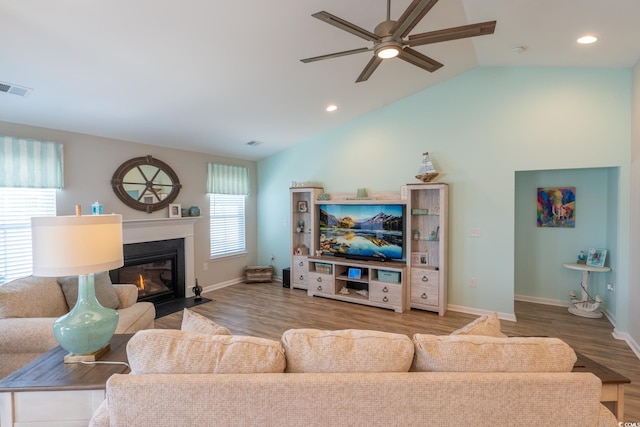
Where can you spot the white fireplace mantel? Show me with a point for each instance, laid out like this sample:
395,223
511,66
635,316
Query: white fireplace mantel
154,229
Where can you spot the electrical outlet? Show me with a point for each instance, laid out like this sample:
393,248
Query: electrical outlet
473,282
475,232
205,266
611,287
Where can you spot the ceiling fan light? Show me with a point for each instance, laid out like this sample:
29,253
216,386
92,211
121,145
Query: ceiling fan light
388,52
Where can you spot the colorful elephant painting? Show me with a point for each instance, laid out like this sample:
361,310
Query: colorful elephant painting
556,207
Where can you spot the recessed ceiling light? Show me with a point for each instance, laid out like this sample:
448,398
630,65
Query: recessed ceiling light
332,107
588,39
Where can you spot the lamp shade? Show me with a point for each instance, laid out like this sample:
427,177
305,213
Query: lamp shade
72,245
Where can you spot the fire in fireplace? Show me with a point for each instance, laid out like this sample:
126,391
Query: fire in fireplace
156,268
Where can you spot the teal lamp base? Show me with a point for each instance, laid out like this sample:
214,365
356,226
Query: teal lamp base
88,327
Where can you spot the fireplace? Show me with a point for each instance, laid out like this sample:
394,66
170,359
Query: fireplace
157,268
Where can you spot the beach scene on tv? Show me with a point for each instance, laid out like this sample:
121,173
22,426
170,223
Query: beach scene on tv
363,231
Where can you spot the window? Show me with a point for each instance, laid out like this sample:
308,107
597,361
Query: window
227,225
30,173
228,186
17,206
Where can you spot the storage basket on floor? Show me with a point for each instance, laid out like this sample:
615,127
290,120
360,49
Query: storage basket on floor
258,274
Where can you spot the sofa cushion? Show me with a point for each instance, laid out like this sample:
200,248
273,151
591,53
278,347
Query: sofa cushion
350,350
165,351
194,322
32,296
488,325
105,293
477,353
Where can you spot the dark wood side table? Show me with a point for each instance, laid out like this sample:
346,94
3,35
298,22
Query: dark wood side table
612,383
48,392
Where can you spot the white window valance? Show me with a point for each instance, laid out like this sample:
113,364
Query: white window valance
228,179
28,163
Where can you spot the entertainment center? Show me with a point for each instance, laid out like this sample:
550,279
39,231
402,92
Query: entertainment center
388,250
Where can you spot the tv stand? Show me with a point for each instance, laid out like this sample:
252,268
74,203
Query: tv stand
374,283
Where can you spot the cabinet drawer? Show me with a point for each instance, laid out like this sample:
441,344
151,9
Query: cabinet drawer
300,264
387,293
319,282
425,286
300,270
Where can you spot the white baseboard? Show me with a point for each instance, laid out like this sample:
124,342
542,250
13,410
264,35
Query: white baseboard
479,312
221,285
545,301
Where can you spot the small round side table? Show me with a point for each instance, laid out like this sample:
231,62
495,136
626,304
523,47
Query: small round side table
585,306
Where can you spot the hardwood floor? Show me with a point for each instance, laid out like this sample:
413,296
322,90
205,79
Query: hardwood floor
267,310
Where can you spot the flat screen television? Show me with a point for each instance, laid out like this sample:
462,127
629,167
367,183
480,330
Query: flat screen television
362,231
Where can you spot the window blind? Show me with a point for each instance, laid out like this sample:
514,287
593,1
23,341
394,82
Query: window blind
227,224
17,206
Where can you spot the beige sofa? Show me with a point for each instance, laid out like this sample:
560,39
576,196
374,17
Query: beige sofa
30,305
349,378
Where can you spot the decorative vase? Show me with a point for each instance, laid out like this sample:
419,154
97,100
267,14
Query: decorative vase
194,211
88,326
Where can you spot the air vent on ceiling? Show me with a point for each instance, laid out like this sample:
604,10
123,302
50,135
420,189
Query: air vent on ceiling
14,89
253,143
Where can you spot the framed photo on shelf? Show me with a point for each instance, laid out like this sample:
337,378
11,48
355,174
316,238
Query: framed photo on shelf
420,258
175,210
596,257
302,206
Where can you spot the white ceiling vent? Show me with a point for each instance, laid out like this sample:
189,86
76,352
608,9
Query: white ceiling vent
14,89
253,143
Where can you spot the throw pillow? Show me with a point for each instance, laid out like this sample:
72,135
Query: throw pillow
477,353
194,322
105,292
166,351
350,350
32,296
488,325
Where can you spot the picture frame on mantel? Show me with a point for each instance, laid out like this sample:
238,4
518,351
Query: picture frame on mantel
175,210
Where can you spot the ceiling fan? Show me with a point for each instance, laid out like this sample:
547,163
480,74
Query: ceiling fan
391,38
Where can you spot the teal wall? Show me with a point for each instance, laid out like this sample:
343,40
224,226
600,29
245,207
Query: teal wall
541,251
480,128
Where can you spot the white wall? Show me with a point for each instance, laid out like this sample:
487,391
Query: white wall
89,164
480,127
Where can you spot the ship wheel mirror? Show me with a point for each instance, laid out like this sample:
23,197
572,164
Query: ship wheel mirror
146,184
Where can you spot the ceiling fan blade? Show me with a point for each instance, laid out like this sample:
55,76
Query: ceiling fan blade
346,26
416,58
369,69
472,30
336,54
410,18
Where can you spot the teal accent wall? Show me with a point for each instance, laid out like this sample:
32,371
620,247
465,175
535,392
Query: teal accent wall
480,128
541,251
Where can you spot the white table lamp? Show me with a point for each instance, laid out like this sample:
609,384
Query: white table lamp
79,245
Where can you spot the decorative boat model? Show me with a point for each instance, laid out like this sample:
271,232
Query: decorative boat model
427,172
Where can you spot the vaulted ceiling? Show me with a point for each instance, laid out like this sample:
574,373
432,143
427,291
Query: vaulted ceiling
212,75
